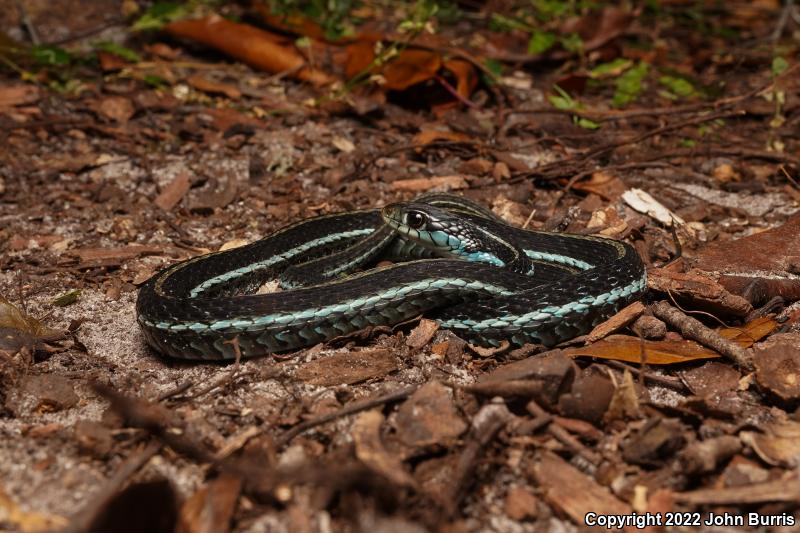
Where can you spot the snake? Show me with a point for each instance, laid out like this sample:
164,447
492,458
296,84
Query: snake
451,259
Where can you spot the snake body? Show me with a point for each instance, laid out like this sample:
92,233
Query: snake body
495,282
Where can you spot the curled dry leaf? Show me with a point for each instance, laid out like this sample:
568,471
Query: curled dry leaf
644,203
779,445
258,48
465,75
13,318
412,66
624,402
604,184
21,332
116,108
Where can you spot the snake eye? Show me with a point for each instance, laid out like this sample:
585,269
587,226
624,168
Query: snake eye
416,220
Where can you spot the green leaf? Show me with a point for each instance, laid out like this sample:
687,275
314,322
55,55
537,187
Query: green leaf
541,41
680,87
550,9
154,81
159,15
500,22
118,50
562,100
629,84
585,123
572,43
610,69
68,298
494,66
688,143
495,70
50,55
779,66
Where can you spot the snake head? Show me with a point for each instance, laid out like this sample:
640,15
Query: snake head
450,234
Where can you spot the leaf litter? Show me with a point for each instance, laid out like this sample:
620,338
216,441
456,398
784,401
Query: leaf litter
156,150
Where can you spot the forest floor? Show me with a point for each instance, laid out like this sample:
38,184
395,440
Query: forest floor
407,428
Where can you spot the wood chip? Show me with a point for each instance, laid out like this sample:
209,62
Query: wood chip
429,417
618,321
422,334
699,290
111,257
573,492
348,368
211,507
779,490
174,192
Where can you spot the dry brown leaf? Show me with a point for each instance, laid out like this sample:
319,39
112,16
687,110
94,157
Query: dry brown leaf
422,334
14,95
466,77
779,445
358,57
117,108
201,83
258,48
411,67
13,318
428,136
632,349
605,185
753,331
624,402
445,183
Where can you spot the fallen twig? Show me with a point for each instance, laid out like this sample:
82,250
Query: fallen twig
348,409
486,424
695,330
563,435
663,381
